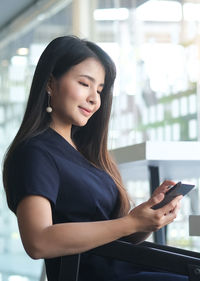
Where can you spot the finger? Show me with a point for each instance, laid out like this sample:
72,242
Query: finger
170,217
167,183
175,210
164,187
171,205
155,199
170,221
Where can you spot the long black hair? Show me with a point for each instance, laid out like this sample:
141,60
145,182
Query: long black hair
91,140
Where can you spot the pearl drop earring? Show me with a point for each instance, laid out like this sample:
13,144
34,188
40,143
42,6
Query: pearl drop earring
49,108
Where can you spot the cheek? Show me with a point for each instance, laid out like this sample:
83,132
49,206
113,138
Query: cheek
73,92
70,95
98,105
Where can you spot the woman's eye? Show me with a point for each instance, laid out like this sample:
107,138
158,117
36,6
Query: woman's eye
84,84
87,85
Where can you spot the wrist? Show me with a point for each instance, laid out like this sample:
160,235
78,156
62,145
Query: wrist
129,225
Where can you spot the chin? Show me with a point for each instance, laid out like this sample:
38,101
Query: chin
80,123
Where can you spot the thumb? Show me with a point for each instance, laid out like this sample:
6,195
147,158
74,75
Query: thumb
156,199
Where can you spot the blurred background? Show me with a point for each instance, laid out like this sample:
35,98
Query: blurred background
155,45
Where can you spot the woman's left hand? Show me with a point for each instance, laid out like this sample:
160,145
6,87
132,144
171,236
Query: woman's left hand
163,188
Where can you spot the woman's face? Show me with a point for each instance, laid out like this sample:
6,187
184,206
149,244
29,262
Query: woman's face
76,96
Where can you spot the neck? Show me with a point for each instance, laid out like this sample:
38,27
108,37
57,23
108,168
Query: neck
64,131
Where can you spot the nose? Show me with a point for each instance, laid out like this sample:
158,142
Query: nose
93,96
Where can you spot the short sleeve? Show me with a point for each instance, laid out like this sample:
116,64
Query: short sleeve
33,171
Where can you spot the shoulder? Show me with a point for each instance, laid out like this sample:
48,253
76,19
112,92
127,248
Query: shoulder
33,171
40,142
36,149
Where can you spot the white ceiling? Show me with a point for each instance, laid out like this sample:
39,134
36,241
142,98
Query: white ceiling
18,15
12,9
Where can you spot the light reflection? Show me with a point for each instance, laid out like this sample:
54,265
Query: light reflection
18,60
111,14
22,51
163,11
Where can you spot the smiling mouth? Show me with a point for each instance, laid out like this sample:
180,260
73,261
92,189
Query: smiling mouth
85,111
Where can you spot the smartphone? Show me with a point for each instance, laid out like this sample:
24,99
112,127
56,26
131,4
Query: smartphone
176,190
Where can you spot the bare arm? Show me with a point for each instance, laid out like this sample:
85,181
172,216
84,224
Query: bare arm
137,238
42,239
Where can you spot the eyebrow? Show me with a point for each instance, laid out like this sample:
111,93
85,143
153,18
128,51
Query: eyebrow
90,78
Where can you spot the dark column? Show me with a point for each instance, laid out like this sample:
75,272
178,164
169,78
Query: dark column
159,235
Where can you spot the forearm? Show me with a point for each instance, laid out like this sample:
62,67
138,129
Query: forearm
136,238
72,238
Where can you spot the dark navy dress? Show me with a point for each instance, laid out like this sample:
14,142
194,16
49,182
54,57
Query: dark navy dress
49,166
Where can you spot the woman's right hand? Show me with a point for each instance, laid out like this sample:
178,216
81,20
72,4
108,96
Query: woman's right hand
146,219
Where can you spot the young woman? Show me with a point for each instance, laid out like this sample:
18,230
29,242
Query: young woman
59,177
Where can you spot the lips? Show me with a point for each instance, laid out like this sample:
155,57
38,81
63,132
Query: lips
88,110
85,111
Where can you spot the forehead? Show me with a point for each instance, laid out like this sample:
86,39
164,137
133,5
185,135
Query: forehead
90,66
